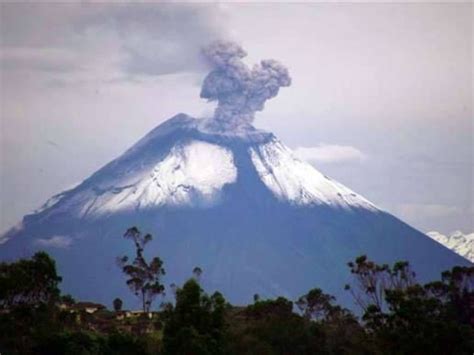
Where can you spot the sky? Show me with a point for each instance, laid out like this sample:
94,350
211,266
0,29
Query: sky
381,96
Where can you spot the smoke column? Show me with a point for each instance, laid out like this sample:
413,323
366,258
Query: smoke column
238,90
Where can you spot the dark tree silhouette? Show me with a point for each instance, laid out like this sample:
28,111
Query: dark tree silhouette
406,317
117,303
372,281
67,300
144,278
315,305
29,281
196,324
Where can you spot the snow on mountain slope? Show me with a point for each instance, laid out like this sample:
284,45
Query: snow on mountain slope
294,180
191,173
195,170
460,243
199,170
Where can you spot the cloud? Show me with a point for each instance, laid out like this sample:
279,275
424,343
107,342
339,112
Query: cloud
57,241
417,210
140,39
40,59
167,38
330,153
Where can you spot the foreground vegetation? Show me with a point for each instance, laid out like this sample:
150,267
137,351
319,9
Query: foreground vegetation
399,315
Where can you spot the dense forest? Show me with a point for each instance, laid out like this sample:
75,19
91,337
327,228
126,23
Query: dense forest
398,315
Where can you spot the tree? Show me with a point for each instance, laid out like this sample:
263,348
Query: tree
144,278
67,300
457,288
281,307
373,281
29,281
405,317
271,327
315,305
29,292
117,304
196,324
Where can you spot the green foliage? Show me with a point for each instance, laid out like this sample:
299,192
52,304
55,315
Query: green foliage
271,327
373,280
315,304
279,308
458,290
84,343
90,343
22,326
399,315
29,281
144,278
28,293
404,317
196,324
67,300
125,344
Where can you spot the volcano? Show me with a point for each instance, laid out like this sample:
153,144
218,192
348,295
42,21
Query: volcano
238,204
219,194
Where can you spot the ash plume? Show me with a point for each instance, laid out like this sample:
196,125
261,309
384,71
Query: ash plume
239,90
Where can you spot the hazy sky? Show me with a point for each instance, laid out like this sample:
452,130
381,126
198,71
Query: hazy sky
381,98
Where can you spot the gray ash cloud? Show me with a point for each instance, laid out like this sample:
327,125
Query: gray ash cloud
239,90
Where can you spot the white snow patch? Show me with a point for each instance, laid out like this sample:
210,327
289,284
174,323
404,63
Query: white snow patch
460,243
292,179
57,241
190,174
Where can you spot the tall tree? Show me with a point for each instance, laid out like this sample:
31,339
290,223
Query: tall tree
372,281
144,278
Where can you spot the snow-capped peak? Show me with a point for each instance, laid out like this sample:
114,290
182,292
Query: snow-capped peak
185,163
